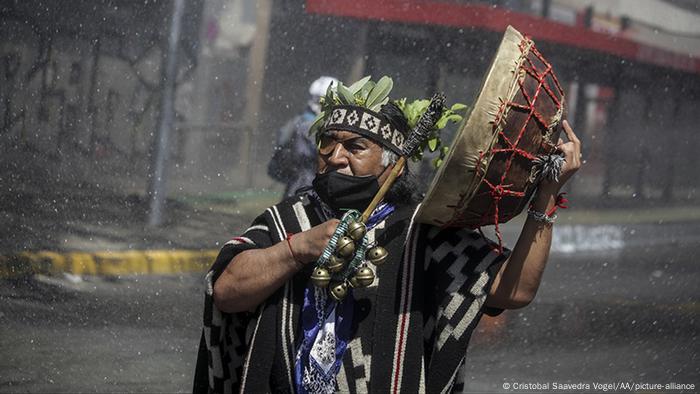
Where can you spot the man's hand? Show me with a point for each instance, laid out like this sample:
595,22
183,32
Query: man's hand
309,245
572,161
253,275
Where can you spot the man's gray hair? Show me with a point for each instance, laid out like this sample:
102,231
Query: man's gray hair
389,157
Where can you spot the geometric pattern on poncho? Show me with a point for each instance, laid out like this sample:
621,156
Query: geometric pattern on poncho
457,260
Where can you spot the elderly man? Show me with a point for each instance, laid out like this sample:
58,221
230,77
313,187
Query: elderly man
410,328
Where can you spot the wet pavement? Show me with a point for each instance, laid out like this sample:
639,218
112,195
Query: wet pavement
136,334
614,315
625,315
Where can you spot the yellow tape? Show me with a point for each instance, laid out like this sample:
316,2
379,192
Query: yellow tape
106,263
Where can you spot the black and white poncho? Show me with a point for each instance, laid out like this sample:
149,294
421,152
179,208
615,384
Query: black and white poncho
410,329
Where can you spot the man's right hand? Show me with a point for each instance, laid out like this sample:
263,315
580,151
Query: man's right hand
309,245
254,274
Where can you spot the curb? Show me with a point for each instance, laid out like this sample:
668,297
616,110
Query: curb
568,238
116,263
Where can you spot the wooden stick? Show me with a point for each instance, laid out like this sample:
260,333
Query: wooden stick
385,188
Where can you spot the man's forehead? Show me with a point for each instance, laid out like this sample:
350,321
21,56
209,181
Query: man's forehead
343,135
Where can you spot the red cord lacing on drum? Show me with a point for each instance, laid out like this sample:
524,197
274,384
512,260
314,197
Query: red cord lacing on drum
500,190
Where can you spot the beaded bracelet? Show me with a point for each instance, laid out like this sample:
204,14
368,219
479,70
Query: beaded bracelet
541,216
550,216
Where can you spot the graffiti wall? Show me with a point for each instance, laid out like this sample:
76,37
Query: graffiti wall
72,91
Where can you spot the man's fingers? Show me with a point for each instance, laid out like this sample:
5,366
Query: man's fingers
568,149
576,143
570,132
572,154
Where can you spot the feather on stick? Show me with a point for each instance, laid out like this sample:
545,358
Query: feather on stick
425,124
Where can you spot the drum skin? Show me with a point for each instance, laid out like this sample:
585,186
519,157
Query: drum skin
488,176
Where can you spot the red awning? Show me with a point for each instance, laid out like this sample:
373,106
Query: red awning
497,19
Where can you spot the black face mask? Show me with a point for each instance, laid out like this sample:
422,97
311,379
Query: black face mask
342,191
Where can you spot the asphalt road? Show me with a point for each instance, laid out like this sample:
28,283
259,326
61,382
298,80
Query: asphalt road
621,315
628,315
137,334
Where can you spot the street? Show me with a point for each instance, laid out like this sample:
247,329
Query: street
629,315
137,334
616,315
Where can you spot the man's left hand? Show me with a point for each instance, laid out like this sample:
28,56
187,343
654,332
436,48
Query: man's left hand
572,160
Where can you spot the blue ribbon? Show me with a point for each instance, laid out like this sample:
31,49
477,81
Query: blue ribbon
311,325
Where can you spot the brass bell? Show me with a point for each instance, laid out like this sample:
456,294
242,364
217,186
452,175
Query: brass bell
335,264
339,290
354,283
345,247
320,277
356,231
377,255
364,276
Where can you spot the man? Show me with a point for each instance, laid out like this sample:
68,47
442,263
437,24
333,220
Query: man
294,160
409,329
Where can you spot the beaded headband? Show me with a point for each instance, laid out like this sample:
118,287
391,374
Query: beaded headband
367,123
355,108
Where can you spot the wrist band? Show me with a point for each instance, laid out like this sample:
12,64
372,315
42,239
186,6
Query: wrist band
541,216
550,216
289,244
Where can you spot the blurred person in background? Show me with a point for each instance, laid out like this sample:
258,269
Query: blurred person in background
294,159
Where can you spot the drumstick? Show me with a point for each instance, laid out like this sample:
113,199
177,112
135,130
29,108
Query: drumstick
385,188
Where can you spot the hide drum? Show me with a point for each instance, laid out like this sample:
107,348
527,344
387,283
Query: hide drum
488,175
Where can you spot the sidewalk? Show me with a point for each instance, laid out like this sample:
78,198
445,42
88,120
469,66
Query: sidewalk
96,232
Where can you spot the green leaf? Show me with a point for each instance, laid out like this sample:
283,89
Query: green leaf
317,123
433,144
379,92
414,110
422,105
376,107
410,115
364,91
329,95
442,122
444,150
355,87
345,95
437,162
401,103
457,106
418,107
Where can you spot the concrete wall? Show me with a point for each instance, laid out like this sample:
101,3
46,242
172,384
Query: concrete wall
81,86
